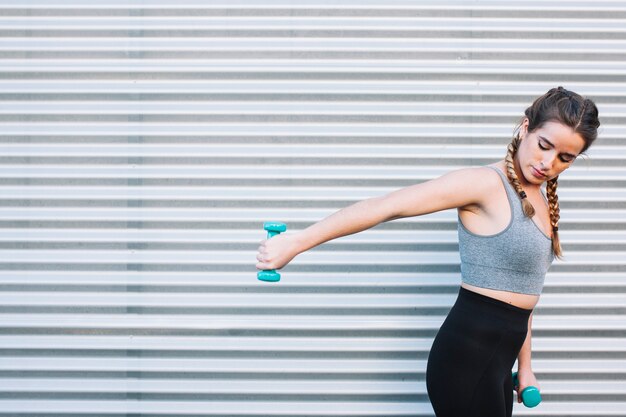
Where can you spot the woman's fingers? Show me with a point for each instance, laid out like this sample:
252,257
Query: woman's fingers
261,256
276,252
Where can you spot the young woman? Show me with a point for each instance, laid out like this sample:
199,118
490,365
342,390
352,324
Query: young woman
507,241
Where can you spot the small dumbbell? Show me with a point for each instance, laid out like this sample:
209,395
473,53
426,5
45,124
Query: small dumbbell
530,395
273,229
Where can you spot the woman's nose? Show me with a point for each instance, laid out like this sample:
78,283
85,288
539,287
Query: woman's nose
548,161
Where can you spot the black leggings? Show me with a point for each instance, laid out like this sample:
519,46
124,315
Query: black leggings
470,363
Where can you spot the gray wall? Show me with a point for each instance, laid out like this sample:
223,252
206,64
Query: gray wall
143,144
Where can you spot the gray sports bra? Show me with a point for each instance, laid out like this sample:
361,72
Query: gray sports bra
515,259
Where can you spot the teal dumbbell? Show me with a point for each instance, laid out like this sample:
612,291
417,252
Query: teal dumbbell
273,229
530,395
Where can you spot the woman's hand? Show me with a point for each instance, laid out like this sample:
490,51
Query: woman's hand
276,252
526,378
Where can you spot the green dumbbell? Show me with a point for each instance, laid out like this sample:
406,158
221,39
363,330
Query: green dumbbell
530,395
273,229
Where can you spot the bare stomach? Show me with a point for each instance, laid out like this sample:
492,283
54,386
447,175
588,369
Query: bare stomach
526,301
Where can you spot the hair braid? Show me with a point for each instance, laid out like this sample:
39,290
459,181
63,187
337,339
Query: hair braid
553,204
528,208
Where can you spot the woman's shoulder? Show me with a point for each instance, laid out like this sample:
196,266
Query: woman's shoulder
460,188
478,183
488,180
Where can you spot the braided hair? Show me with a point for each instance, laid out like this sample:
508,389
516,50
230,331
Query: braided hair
570,109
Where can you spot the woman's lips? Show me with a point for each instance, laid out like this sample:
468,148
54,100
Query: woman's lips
537,173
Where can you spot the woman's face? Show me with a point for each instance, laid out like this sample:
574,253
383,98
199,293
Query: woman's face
550,150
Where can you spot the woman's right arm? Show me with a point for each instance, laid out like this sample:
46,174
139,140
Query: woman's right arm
454,189
276,252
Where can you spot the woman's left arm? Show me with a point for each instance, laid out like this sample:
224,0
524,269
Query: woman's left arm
525,374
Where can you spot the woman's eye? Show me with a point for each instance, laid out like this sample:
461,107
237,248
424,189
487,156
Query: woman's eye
567,161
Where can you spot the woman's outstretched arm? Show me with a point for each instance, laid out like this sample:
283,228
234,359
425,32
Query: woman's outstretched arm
454,189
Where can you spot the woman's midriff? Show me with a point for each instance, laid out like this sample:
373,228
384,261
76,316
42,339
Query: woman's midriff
526,301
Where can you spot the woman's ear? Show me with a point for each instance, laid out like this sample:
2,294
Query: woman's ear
524,128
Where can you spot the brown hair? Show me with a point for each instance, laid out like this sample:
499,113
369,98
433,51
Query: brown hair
570,109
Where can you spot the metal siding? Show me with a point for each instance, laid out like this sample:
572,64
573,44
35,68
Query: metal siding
143,144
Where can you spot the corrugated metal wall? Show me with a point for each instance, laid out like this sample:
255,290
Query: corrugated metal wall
143,144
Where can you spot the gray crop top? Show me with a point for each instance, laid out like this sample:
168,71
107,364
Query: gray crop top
515,259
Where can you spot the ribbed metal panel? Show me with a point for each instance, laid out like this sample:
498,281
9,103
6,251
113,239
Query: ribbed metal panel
143,144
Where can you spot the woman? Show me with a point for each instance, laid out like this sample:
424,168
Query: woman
508,238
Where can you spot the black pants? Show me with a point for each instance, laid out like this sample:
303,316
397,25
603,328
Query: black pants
471,359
